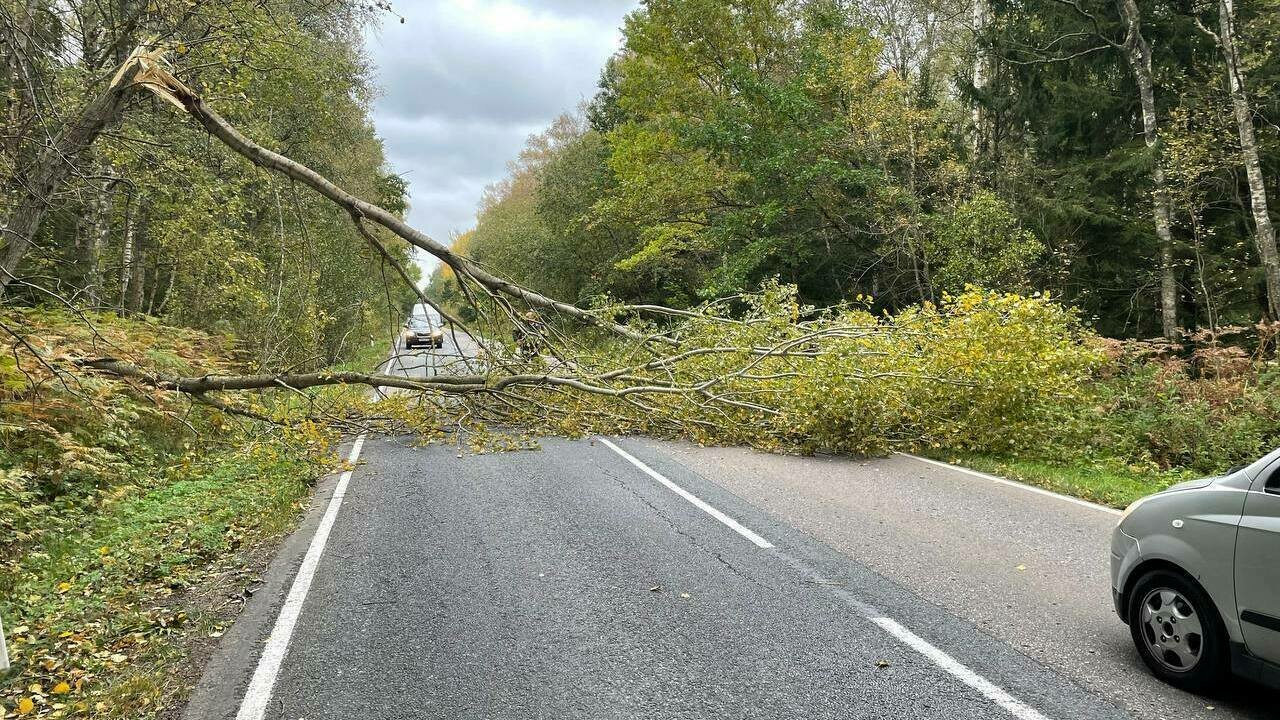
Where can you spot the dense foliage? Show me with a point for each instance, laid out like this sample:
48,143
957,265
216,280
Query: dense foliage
154,219
903,150
116,503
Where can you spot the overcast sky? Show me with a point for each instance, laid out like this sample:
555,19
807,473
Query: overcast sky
464,82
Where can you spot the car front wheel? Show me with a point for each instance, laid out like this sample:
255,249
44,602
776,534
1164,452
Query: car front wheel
1178,631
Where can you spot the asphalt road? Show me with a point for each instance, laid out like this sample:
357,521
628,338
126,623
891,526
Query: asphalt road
571,582
457,356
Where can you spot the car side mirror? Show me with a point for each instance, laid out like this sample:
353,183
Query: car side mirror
1235,469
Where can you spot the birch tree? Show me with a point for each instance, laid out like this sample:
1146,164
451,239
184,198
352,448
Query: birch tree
1226,39
1138,54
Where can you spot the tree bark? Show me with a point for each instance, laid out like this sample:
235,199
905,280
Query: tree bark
22,80
36,183
155,281
126,258
1138,53
100,207
980,19
138,279
1264,231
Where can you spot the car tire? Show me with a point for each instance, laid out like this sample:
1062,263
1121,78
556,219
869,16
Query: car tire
1192,656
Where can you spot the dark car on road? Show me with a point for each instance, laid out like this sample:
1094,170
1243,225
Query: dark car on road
423,330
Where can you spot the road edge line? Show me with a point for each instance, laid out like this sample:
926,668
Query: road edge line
1012,483
257,695
697,502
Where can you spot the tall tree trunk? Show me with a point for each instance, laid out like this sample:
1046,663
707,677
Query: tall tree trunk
137,286
168,288
137,273
35,184
1138,53
156,267
980,19
126,257
21,78
1265,234
100,206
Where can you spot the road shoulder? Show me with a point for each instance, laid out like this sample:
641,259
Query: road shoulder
218,694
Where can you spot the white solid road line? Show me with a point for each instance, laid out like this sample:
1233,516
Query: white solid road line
4,650
955,668
959,670
1014,483
258,694
733,524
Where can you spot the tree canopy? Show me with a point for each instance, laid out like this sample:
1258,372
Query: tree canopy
900,151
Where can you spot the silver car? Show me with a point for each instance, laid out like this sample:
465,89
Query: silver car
1195,573
426,330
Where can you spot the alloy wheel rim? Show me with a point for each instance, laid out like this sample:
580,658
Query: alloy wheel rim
1172,630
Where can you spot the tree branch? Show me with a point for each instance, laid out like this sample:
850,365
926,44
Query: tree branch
152,75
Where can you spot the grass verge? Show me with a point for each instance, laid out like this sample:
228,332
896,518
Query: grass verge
100,617
1106,483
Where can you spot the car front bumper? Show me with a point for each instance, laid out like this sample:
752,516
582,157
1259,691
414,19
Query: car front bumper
1125,556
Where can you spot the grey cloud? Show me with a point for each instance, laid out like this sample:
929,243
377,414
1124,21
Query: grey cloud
446,147
604,10
464,82
496,61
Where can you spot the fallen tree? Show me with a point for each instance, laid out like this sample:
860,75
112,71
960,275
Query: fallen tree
758,369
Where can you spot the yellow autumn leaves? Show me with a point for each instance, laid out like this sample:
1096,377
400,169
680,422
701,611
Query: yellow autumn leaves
27,705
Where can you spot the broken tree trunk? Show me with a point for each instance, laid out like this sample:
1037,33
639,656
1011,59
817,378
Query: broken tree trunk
52,166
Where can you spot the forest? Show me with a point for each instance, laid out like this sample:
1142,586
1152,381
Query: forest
1121,157
111,202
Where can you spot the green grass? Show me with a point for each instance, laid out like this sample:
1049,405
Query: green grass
104,608
1105,482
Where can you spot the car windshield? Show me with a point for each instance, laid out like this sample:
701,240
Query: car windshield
424,322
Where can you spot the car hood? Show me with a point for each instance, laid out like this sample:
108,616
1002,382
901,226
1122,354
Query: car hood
1193,484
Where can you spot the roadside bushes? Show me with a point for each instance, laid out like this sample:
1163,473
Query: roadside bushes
115,502
1161,415
985,374
979,370
979,374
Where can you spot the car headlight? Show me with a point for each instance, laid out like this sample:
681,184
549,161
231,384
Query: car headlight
1133,506
437,333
